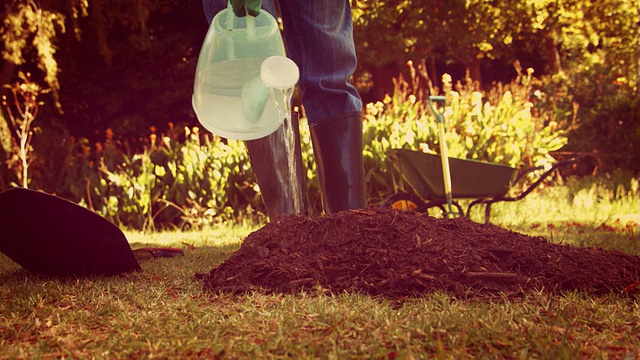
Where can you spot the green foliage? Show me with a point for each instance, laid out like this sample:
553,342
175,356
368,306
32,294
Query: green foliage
609,120
500,126
168,182
29,27
142,67
556,32
205,177
600,74
505,128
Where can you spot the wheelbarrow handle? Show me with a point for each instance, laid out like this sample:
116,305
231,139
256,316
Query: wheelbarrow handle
437,98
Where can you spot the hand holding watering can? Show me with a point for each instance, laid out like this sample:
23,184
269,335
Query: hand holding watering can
246,7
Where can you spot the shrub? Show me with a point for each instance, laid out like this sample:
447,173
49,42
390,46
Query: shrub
609,114
186,180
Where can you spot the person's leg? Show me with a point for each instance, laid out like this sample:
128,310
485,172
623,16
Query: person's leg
281,188
319,38
337,148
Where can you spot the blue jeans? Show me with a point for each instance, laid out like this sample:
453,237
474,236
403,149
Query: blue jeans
318,36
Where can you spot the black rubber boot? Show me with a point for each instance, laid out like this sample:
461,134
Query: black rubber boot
337,148
282,190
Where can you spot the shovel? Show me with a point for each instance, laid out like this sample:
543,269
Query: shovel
444,154
49,235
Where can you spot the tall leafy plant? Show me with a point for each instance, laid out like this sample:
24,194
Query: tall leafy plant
21,109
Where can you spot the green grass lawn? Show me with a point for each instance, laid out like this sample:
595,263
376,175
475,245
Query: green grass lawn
162,312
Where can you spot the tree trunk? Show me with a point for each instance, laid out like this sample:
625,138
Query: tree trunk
383,80
432,72
553,54
474,71
7,69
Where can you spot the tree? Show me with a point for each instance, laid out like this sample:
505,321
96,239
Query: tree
473,32
468,32
28,36
123,61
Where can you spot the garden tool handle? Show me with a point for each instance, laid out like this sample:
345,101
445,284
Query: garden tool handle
444,155
437,98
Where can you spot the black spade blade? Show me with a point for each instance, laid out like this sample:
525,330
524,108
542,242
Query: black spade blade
50,235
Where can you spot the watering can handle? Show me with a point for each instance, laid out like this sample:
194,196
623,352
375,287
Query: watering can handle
433,99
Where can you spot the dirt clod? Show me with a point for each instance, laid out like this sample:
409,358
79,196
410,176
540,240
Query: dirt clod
393,254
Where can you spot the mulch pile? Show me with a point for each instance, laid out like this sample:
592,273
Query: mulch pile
394,254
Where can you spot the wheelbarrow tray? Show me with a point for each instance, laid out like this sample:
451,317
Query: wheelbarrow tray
469,178
50,235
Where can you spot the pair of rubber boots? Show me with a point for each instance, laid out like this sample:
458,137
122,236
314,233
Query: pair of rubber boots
337,147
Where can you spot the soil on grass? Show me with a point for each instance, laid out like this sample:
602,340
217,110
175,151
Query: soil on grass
395,254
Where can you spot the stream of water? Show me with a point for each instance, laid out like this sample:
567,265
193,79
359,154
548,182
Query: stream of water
288,177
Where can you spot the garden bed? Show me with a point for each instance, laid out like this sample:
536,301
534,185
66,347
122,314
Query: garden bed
394,254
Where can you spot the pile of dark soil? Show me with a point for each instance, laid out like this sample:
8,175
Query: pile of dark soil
384,252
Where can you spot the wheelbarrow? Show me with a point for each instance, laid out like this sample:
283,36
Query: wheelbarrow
436,180
485,182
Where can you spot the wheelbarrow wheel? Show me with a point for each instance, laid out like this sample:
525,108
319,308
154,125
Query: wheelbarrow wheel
403,201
